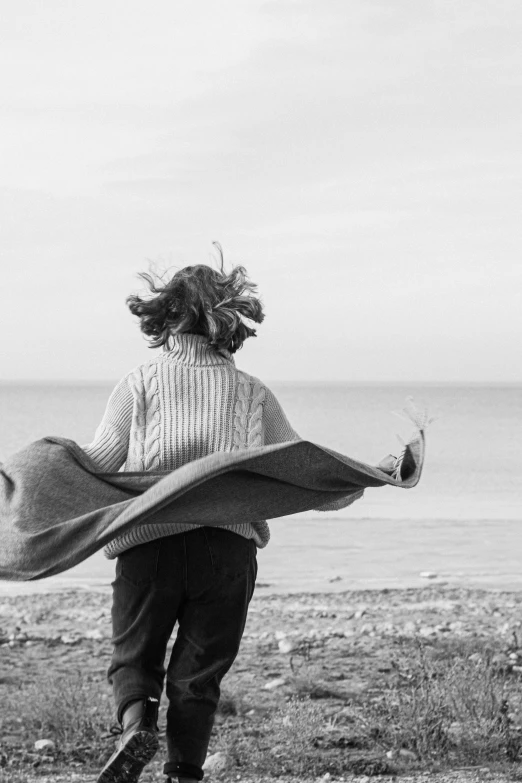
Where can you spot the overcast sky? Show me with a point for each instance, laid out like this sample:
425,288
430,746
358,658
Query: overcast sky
362,159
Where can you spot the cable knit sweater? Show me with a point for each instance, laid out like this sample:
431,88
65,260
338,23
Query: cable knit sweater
180,406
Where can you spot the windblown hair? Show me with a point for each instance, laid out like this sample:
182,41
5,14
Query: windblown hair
200,300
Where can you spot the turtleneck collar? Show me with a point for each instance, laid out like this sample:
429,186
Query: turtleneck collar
194,350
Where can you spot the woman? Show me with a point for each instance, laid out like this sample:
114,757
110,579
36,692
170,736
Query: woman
184,404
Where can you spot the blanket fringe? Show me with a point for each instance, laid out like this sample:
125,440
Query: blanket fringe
421,419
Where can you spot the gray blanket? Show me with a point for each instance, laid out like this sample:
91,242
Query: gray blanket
56,509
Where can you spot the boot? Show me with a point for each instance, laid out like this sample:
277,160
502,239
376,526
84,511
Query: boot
182,772
182,780
137,745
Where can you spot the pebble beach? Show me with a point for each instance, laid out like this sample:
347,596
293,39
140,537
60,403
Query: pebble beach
341,643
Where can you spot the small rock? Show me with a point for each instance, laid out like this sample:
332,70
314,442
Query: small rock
286,646
331,641
44,746
516,669
325,778
21,637
408,754
280,635
455,730
403,753
334,579
428,575
215,762
359,613
475,657
427,630
66,639
94,634
273,684
286,721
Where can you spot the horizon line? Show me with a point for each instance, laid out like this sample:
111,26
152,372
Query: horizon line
296,382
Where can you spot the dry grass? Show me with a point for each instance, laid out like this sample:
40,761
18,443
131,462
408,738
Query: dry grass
448,704
445,705
460,708
72,712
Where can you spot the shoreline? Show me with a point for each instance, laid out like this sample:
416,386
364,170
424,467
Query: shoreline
335,585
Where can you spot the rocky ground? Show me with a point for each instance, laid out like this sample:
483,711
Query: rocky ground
330,648
452,776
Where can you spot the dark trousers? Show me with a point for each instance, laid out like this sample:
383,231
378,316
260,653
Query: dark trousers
204,580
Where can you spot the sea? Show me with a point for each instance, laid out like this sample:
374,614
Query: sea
461,525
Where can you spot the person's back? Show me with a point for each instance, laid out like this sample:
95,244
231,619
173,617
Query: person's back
186,403
183,405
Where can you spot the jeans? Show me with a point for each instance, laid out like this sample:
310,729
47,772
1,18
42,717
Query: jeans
203,579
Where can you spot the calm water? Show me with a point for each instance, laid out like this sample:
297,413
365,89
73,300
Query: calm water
462,521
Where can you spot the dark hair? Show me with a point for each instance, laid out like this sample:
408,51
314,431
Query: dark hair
200,300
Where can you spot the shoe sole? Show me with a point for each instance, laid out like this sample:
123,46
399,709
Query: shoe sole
127,766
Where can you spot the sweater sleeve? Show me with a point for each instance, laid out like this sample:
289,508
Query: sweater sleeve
278,430
276,425
111,440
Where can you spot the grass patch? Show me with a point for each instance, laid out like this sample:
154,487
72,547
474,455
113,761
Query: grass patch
447,708
298,739
440,703
72,712
445,703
